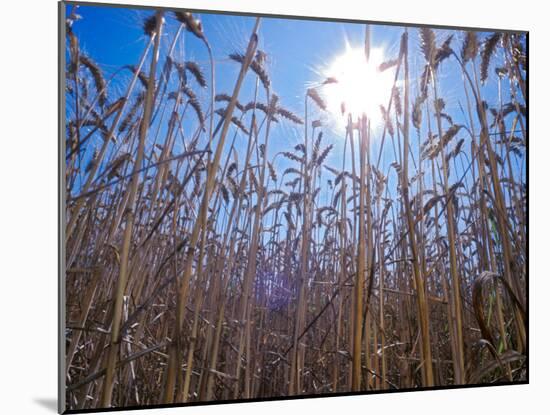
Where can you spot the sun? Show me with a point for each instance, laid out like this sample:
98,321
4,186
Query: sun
360,86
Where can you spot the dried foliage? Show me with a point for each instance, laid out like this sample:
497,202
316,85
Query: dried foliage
229,264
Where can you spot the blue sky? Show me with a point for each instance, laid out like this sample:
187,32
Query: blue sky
298,50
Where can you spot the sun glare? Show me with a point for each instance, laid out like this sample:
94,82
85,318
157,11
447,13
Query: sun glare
360,88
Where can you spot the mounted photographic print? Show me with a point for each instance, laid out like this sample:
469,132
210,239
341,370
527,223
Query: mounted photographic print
259,207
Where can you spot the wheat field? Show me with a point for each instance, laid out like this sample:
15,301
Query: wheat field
383,246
